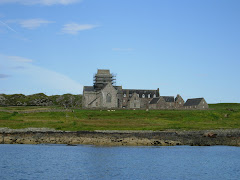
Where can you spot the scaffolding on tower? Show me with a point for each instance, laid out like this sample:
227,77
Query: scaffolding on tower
103,77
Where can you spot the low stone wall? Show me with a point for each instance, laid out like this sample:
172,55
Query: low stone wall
122,138
36,110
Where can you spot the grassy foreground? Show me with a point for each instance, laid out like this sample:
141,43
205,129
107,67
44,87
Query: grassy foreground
221,116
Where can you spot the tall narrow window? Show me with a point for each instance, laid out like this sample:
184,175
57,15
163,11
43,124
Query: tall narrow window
143,96
154,95
149,95
108,98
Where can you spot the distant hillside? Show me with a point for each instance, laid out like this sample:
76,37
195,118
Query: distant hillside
40,99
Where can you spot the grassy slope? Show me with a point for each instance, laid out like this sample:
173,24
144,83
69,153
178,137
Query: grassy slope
223,116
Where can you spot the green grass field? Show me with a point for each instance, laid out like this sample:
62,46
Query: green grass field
220,116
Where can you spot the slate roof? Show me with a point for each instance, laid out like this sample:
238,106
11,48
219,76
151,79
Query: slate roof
141,92
154,100
168,98
193,102
91,88
88,88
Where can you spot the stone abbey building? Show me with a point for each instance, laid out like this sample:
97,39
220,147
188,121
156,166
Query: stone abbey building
105,95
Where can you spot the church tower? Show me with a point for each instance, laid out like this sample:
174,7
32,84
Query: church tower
102,78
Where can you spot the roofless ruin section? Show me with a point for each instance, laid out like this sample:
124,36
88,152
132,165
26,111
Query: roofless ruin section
102,78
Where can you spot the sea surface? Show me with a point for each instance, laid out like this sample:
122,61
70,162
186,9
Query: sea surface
94,162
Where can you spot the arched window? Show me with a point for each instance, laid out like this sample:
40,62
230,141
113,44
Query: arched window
143,96
154,95
124,95
108,98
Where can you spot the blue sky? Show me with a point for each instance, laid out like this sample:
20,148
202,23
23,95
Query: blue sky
182,47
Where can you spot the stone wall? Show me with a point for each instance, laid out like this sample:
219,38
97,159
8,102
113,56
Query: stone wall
110,91
179,102
134,102
144,103
91,100
202,105
120,99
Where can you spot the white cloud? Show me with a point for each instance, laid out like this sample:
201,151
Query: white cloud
33,23
41,2
74,28
30,78
19,59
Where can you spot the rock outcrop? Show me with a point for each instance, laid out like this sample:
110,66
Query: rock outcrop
121,138
40,99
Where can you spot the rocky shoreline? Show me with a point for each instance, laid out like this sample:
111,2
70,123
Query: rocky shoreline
121,138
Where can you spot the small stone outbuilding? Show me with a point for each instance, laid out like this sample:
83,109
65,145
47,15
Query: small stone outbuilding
196,103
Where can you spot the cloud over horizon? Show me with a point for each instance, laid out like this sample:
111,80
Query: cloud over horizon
3,76
41,2
30,78
74,28
19,59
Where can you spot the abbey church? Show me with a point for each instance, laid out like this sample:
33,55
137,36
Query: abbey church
105,95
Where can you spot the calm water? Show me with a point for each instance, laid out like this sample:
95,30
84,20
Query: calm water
90,162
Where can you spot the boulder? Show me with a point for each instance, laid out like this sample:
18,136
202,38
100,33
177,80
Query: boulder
210,134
